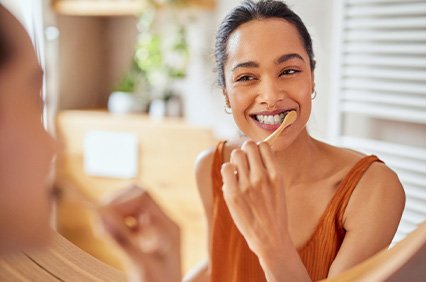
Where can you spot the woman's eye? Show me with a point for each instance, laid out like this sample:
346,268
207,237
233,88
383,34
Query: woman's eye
289,72
244,78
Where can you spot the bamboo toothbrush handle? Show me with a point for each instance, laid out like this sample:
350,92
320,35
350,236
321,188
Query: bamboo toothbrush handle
289,119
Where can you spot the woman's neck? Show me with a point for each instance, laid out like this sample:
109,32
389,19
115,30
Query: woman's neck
299,162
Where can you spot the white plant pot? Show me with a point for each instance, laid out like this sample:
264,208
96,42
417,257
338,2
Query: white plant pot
157,109
123,103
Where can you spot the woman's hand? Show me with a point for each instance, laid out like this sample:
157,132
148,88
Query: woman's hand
146,234
254,192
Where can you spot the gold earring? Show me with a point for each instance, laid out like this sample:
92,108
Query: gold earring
227,107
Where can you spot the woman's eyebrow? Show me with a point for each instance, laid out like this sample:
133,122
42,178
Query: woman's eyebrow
287,57
280,60
249,64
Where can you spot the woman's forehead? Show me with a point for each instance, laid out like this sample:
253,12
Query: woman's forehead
271,36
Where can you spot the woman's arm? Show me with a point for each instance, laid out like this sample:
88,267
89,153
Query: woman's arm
201,273
371,217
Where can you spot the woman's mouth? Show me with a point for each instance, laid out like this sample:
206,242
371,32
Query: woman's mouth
270,120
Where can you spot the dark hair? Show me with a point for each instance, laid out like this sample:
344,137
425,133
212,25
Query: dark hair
248,11
5,48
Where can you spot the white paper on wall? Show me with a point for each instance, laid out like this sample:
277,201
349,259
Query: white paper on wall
111,154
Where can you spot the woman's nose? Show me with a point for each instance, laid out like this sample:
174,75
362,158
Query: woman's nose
270,92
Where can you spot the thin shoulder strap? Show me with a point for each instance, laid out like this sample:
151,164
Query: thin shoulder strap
218,158
349,184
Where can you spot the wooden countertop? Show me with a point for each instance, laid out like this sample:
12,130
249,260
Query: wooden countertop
168,150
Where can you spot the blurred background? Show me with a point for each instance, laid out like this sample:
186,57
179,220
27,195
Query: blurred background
131,95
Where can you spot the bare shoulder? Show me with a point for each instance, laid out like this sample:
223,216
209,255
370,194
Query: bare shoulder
382,177
379,198
371,217
204,162
203,167
380,185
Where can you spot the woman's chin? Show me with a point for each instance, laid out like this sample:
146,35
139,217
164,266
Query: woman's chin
38,240
38,233
31,241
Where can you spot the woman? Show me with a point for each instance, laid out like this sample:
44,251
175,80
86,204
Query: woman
26,152
302,209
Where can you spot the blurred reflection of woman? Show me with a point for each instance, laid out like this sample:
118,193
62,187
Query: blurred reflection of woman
26,152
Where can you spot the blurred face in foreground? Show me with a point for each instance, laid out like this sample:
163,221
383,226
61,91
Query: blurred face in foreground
26,149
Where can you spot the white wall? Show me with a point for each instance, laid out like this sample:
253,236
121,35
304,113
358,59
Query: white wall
317,16
204,103
203,99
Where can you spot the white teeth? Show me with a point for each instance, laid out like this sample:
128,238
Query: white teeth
271,119
277,118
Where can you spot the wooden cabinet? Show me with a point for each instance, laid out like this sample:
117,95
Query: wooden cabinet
167,154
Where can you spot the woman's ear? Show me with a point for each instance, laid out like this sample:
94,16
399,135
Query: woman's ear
225,95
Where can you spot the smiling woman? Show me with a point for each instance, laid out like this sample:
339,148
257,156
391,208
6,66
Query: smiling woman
298,210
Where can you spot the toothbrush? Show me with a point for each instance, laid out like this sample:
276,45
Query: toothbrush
288,120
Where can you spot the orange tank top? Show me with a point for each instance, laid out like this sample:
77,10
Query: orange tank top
233,261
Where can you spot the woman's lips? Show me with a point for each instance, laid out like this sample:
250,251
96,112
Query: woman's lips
270,121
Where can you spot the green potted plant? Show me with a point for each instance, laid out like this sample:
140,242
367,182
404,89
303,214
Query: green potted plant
156,65
126,96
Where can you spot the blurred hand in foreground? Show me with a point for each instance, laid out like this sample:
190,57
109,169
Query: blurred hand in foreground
146,234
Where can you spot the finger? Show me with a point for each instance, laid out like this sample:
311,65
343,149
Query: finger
268,158
147,240
136,206
150,205
240,210
239,160
132,201
120,234
230,182
158,218
126,202
257,167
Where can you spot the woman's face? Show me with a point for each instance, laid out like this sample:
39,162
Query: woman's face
268,73
26,149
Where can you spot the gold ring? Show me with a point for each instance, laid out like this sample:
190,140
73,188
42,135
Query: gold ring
130,221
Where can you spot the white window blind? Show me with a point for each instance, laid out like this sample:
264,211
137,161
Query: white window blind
379,101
